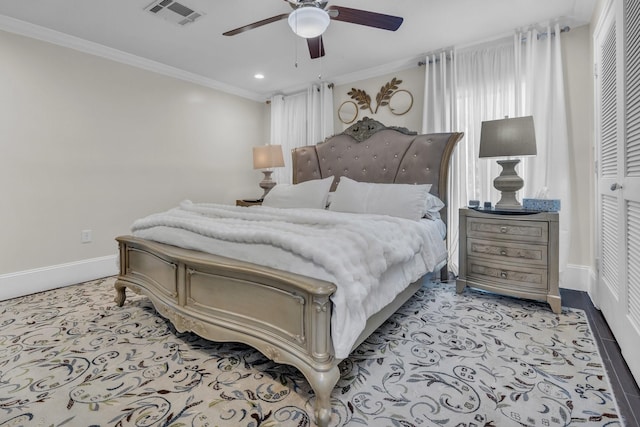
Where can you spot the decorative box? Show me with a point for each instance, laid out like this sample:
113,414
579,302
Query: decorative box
541,205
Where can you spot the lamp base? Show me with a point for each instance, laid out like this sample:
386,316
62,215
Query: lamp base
267,183
508,182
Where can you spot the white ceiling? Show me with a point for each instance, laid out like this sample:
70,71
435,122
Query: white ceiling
123,30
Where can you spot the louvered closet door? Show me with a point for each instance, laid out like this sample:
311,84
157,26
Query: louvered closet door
617,44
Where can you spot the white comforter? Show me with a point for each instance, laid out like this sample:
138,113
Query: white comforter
371,258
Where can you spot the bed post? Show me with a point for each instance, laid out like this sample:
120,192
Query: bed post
121,294
323,385
443,187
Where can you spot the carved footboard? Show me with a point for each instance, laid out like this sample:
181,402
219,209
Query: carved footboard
215,297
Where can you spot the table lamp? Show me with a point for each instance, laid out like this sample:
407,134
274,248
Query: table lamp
266,157
506,138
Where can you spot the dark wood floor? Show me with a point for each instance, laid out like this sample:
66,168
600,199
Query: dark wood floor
624,386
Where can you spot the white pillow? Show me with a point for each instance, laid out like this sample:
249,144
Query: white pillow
399,200
308,194
433,204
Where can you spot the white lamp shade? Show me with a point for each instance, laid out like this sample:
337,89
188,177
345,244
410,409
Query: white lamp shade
508,137
309,21
267,156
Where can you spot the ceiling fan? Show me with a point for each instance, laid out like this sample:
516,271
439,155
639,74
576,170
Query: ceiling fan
310,18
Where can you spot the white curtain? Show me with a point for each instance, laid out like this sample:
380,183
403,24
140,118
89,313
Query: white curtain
438,115
320,101
288,128
540,72
300,119
509,77
438,112
484,90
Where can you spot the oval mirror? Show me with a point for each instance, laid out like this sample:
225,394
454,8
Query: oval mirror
400,102
348,112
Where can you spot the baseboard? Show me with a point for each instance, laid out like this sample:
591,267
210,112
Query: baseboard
27,282
577,277
592,291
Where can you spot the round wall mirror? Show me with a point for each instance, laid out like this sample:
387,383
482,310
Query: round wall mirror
400,102
348,112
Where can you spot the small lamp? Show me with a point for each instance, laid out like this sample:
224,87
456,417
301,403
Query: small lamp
266,157
309,21
505,138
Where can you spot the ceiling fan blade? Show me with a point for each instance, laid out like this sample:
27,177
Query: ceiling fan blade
316,47
365,17
256,24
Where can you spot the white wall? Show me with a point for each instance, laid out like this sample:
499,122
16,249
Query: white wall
579,91
88,143
578,79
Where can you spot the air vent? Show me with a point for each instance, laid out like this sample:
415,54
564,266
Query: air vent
173,11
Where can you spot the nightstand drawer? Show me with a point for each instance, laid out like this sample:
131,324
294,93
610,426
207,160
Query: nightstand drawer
497,274
493,250
522,231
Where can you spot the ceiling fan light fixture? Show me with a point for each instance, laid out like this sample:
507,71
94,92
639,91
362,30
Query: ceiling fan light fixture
309,21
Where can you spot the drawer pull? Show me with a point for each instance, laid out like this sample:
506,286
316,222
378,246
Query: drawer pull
503,274
503,229
503,252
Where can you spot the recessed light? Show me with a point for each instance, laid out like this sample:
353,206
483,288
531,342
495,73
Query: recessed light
259,76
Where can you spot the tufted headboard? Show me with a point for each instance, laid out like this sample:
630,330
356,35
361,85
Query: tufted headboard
368,151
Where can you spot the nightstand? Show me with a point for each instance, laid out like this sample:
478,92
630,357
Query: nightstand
513,253
248,202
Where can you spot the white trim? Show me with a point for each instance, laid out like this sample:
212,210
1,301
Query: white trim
27,29
592,291
27,282
380,70
604,16
12,285
580,278
577,277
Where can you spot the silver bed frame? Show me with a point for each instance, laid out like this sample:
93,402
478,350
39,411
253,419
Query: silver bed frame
223,299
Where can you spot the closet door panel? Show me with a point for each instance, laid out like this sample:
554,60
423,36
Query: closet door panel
617,53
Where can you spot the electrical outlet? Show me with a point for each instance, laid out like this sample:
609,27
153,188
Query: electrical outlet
85,236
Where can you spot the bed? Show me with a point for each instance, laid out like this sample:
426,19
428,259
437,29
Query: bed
221,298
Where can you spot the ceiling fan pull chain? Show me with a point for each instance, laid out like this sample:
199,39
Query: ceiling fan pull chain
295,45
295,51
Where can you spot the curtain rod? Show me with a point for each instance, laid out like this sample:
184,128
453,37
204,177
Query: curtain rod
564,29
421,63
329,85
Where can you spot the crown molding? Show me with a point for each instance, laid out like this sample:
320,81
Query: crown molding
378,71
356,76
27,29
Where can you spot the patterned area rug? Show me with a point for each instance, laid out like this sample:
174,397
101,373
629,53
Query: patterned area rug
71,357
